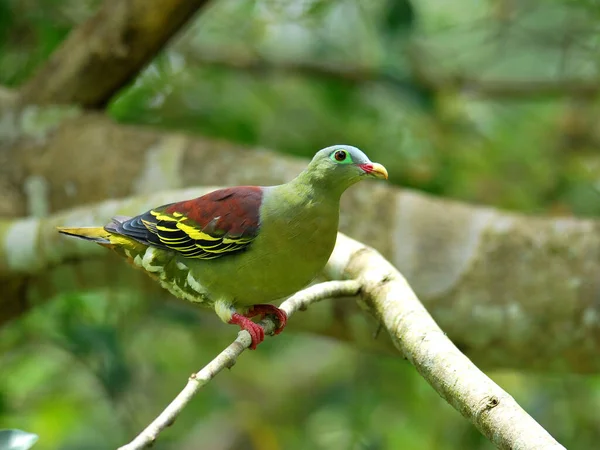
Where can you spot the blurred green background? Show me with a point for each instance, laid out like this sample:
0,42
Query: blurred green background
492,102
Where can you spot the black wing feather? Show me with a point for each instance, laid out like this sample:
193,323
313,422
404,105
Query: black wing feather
165,231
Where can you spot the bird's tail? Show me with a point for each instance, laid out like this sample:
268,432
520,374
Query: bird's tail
94,234
107,237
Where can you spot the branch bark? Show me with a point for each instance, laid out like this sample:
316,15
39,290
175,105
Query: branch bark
104,53
511,290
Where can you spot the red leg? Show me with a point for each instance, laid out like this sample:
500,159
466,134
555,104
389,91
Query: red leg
279,314
256,331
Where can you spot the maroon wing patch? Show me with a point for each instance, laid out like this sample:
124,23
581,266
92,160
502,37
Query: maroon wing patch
232,211
219,223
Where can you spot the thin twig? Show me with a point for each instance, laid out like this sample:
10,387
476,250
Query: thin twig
228,357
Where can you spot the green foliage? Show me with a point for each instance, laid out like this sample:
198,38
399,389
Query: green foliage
6,20
30,31
399,16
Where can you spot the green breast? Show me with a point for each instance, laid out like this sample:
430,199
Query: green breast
296,238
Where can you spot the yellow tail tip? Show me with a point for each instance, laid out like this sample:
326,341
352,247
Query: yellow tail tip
95,234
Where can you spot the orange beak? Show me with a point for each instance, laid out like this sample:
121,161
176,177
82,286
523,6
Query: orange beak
375,170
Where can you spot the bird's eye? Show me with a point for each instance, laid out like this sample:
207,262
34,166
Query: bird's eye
340,155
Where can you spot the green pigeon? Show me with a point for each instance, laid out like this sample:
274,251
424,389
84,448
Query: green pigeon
238,249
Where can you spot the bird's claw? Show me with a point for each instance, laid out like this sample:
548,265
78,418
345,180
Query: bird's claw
257,333
264,309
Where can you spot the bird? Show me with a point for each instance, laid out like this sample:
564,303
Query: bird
238,249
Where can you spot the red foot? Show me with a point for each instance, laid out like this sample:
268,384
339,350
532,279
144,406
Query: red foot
262,310
256,331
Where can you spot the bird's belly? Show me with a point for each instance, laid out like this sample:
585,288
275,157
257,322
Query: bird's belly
281,276
264,276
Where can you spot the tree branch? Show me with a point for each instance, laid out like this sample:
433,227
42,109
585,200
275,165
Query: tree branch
389,297
428,72
106,52
424,75
228,357
224,58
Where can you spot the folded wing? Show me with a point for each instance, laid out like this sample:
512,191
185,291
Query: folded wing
220,223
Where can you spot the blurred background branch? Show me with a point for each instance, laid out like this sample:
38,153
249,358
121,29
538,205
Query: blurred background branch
423,74
459,259
107,51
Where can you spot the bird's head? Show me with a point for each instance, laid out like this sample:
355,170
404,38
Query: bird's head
343,165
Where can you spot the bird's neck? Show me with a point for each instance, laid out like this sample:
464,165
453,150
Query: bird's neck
316,185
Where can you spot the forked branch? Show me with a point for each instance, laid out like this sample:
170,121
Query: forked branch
387,295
